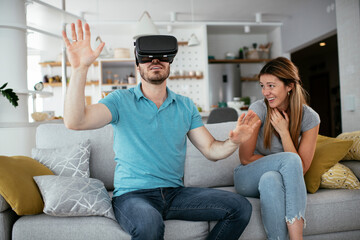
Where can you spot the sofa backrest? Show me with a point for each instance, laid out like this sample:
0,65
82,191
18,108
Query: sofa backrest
102,162
199,171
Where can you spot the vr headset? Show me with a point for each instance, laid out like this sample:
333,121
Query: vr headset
161,47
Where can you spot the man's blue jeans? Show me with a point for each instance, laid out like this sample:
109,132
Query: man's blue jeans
279,182
142,213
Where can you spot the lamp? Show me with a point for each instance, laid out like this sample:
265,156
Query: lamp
258,17
145,26
193,41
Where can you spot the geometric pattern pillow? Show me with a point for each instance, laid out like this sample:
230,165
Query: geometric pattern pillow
354,151
67,161
74,196
339,176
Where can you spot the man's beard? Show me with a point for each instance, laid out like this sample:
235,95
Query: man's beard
157,78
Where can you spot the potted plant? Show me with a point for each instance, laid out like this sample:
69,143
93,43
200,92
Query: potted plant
9,94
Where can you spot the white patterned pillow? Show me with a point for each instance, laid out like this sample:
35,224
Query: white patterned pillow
67,161
74,196
354,151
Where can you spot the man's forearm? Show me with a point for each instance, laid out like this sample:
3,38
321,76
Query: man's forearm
221,149
74,110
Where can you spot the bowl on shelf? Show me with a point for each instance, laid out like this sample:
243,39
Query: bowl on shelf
39,116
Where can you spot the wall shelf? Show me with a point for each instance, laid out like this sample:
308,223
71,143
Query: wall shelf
249,79
58,64
238,60
119,84
182,43
185,77
59,84
34,94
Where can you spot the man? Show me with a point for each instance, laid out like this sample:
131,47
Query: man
151,124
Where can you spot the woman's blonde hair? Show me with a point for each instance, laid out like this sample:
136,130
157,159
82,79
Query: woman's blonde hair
288,73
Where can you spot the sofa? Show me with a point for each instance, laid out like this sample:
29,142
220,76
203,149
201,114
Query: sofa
330,214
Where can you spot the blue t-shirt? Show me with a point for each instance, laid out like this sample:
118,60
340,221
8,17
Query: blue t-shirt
149,143
310,119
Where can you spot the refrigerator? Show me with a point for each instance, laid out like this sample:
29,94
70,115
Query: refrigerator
224,82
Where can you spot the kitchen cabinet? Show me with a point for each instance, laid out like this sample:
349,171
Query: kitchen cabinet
116,74
229,78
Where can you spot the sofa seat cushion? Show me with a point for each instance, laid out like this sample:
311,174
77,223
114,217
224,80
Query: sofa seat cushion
255,229
44,227
332,210
49,227
328,211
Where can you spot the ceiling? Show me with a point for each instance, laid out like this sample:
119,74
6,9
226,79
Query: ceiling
185,10
231,15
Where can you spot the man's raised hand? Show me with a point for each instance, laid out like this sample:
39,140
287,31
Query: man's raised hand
244,128
79,50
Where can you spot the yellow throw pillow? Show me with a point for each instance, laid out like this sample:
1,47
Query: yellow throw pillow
328,152
17,185
339,176
354,151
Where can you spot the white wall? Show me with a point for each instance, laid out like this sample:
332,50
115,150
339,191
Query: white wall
221,43
308,22
17,141
348,22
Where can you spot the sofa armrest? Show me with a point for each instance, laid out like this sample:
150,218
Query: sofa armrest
3,204
7,220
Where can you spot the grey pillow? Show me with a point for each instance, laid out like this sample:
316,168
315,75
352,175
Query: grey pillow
74,196
67,161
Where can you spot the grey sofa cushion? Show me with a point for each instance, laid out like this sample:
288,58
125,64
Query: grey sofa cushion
332,210
201,172
328,211
44,227
354,165
3,204
350,235
7,219
102,164
255,229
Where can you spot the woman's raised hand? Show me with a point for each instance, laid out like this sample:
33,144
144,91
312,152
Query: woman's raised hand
79,50
280,121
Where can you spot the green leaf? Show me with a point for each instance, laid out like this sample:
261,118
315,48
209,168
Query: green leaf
10,95
3,86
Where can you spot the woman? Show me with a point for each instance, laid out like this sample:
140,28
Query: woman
280,151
